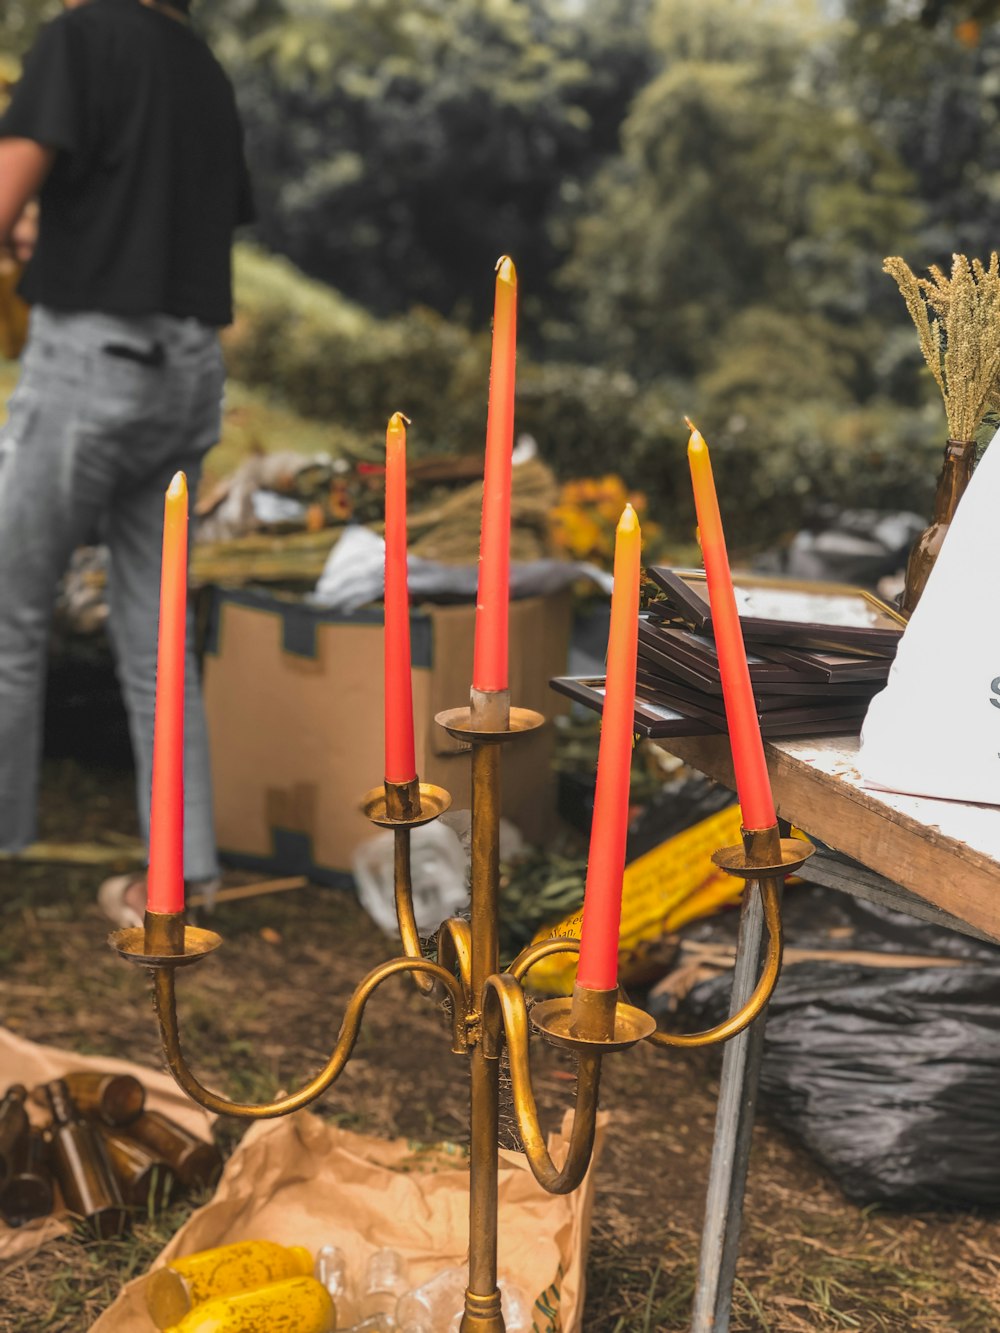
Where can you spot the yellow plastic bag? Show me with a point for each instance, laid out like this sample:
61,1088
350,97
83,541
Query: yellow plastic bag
661,890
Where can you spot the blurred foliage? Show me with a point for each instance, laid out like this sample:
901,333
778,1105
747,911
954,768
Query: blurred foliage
399,146
746,178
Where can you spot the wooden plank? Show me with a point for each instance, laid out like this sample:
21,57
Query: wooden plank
834,871
124,854
945,852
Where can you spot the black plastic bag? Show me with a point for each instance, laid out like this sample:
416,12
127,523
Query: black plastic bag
890,1077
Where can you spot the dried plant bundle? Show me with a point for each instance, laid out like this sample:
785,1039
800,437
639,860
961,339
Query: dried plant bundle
958,323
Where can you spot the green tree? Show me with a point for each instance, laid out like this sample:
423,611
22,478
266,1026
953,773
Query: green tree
400,146
936,100
745,179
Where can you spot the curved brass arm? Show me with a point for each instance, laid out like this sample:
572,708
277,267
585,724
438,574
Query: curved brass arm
166,1012
762,992
534,953
408,933
503,1002
455,948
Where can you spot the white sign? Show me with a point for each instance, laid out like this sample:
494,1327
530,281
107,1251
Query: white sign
935,729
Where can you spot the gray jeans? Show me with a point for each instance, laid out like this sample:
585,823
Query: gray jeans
105,411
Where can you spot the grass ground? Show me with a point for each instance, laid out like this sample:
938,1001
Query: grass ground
811,1262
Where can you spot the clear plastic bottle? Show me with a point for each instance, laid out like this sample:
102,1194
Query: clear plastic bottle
331,1270
384,1282
375,1323
434,1304
516,1307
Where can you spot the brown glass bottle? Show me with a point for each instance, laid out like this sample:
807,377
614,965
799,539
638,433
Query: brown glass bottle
28,1191
959,463
146,1180
196,1162
13,1127
114,1099
81,1166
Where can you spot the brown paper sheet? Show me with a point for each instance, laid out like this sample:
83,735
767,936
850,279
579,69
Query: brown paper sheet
23,1061
302,1181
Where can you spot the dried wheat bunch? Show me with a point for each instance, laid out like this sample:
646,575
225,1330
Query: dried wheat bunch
958,322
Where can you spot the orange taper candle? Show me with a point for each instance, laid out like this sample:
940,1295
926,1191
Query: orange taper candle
400,764
489,671
602,902
753,787
165,886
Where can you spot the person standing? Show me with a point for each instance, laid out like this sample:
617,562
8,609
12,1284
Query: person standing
125,128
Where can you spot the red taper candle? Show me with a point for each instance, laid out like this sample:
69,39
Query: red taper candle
400,764
165,884
753,787
602,902
489,671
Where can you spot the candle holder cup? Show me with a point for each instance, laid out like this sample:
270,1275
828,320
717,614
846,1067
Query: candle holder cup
488,1007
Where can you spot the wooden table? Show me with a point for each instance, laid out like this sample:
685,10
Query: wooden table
936,860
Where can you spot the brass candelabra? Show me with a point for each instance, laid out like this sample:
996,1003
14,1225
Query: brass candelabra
488,1007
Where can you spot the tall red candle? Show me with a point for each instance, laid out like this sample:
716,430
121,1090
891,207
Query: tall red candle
400,764
753,787
165,884
602,902
489,671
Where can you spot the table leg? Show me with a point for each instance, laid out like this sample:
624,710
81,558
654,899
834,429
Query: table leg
720,1240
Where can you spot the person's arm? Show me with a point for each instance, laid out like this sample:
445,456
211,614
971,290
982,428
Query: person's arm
24,166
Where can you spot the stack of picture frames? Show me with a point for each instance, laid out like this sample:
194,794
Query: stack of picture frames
817,653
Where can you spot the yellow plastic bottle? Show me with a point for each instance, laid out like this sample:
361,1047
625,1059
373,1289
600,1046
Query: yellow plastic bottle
296,1305
184,1283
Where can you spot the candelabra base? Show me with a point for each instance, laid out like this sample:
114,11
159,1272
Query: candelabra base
482,1314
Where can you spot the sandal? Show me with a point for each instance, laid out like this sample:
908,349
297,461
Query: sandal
112,899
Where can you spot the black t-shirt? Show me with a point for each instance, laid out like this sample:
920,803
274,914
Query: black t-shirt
149,180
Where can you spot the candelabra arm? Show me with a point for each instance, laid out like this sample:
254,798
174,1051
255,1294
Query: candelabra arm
408,933
455,950
762,992
534,953
166,1011
504,1006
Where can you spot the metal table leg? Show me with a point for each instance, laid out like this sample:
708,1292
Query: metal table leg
731,1145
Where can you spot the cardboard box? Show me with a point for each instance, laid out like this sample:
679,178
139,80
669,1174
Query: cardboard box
293,695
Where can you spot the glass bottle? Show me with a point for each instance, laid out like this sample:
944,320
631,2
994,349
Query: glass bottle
13,1127
517,1309
115,1099
146,1181
436,1302
27,1192
331,1270
384,1282
959,463
226,1270
295,1305
81,1166
196,1161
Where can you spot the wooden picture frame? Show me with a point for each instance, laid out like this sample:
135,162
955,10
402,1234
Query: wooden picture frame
827,617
